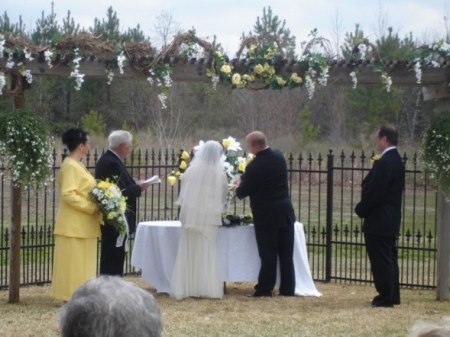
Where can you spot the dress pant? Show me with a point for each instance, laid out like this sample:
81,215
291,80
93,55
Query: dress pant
382,252
112,258
276,243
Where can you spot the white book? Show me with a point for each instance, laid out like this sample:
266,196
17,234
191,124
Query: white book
153,180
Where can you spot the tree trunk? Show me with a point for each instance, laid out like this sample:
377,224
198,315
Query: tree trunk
14,264
16,212
443,243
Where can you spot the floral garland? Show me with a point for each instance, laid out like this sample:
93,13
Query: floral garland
261,69
26,145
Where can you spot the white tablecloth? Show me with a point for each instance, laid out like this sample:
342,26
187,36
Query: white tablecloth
156,243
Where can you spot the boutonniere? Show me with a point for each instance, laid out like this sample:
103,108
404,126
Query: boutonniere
374,159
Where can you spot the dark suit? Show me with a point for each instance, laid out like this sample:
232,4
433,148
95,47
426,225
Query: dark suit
265,181
380,206
111,167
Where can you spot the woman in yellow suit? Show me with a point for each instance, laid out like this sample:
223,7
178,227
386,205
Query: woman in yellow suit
78,220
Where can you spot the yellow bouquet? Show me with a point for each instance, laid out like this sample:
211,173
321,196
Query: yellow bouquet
112,204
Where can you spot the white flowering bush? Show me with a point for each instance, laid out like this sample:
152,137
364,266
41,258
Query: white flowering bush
437,149
26,147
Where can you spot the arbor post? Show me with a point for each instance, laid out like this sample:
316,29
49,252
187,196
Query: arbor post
443,243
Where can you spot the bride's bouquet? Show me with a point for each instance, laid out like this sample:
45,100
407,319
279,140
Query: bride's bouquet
112,204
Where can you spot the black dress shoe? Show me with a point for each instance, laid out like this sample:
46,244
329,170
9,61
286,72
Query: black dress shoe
256,294
382,305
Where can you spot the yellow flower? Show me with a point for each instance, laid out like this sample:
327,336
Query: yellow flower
248,77
241,167
252,49
269,69
258,69
178,174
226,69
226,143
185,155
236,79
218,54
104,184
374,159
183,165
171,180
295,78
281,81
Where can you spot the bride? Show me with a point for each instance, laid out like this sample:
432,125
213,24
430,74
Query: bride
202,198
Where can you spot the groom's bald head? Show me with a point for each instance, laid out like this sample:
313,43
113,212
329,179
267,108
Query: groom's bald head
256,141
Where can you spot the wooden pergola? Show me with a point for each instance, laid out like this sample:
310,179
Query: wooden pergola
434,83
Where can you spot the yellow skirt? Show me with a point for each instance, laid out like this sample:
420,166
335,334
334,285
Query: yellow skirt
74,262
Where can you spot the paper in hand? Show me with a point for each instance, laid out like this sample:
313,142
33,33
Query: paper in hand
153,180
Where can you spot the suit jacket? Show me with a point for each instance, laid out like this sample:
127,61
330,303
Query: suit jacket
76,216
265,181
381,196
111,167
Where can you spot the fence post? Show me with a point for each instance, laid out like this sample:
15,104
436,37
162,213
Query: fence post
329,220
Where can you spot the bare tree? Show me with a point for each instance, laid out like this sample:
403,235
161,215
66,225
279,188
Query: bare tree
165,29
337,31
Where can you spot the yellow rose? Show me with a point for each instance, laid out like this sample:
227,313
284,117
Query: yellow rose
248,77
183,165
252,49
184,155
226,143
281,81
219,54
258,69
226,69
171,180
236,79
177,174
295,78
269,69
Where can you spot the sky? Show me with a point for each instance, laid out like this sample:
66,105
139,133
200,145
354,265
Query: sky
227,20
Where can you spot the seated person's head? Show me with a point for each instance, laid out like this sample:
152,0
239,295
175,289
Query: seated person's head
110,307
427,329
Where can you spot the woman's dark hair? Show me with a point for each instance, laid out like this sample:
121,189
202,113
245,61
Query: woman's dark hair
74,137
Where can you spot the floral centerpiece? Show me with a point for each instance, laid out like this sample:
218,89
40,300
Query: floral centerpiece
230,220
111,203
436,155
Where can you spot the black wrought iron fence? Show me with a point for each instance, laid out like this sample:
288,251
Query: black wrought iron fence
324,191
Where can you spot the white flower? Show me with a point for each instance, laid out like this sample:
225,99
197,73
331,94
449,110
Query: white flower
2,81
215,79
418,71
110,76
354,79
310,87
28,55
27,74
121,61
48,58
231,144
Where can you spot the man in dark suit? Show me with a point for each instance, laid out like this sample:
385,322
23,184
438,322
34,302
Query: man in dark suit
110,166
265,181
380,206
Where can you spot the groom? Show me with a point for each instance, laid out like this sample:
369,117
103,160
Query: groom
265,181
380,207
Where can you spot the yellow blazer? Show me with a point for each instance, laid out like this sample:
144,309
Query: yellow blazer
76,216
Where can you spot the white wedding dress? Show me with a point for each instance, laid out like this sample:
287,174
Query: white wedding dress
202,198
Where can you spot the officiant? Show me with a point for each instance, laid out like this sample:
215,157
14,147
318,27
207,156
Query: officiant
111,166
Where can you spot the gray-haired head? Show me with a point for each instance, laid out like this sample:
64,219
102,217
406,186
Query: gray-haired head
118,137
108,306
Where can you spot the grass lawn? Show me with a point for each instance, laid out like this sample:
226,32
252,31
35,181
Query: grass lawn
343,310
